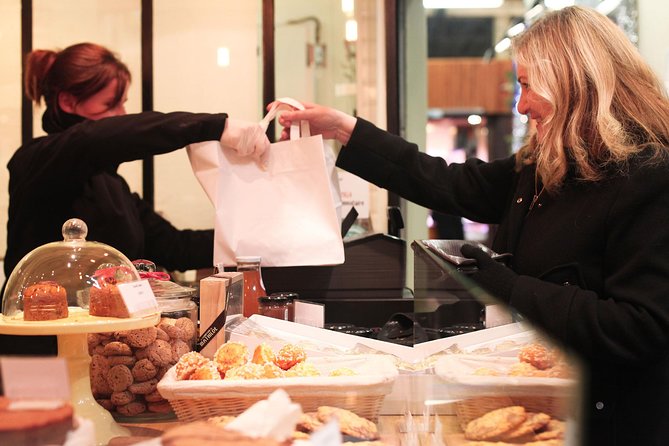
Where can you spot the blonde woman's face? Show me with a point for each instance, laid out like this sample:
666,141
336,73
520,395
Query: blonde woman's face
530,103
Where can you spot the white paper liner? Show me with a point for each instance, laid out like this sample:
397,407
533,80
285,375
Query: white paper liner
458,373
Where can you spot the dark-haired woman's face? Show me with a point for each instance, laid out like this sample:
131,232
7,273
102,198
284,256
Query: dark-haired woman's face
101,105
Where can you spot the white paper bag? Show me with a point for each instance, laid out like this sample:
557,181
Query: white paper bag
286,213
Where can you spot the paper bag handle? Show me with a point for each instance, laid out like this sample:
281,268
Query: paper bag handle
296,131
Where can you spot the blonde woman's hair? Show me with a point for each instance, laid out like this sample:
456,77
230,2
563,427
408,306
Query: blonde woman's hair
607,103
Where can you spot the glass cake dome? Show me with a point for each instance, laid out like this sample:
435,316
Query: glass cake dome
57,280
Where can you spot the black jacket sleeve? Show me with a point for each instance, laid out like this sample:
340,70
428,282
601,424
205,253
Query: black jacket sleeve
474,189
85,149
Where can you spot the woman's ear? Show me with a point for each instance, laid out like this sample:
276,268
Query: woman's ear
67,102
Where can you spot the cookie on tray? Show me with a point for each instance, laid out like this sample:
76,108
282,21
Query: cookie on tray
349,423
495,423
525,432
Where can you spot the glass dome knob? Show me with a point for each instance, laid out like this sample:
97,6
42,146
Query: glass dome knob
75,229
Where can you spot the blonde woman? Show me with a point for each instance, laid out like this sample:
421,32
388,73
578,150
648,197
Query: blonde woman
583,207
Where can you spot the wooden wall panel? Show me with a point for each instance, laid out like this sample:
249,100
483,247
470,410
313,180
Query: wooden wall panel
470,84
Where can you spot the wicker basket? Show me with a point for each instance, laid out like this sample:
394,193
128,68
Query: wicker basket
362,393
469,409
479,394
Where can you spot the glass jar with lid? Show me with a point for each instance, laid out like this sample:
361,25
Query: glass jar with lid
289,297
148,353
274,306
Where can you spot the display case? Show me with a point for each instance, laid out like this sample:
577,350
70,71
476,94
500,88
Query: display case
51,292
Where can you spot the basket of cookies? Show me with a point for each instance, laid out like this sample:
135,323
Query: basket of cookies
235,378
535,376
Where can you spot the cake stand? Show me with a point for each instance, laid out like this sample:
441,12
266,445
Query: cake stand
73,347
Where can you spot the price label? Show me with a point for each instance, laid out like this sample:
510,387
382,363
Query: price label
309,313
35,378
138,297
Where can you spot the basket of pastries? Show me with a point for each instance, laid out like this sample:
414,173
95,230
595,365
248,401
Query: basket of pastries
198,387
534,379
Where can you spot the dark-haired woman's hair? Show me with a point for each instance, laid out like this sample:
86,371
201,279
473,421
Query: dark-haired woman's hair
81,70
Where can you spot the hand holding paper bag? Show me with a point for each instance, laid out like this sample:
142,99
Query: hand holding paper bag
325,121
247,138
285,213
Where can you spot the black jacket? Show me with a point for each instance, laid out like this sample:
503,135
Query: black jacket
71,172
593,263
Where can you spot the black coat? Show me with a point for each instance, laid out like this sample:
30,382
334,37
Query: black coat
71,172
593,262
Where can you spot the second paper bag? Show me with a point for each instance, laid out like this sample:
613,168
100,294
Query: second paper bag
285,213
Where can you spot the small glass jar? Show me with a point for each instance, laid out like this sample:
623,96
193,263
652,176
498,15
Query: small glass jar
274,306
291,297
253,284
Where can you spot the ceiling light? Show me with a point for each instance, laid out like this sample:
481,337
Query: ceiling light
558,4
461,4
606,7
351,30
503,45
223,56
516,29
348,7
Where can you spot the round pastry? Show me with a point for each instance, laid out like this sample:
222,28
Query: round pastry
262,354
343,371
526,369
209,370
229,355
538,355
289,355
188,363
302,369
246,371
45,301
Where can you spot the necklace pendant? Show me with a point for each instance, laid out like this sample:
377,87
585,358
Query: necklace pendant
534,201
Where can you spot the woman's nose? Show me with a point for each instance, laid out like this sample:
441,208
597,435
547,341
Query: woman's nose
522,105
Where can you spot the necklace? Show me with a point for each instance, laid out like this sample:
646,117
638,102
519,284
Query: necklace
537,193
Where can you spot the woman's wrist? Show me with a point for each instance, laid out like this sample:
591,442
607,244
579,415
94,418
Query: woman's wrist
345,129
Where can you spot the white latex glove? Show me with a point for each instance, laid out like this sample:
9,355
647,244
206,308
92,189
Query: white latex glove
245,137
